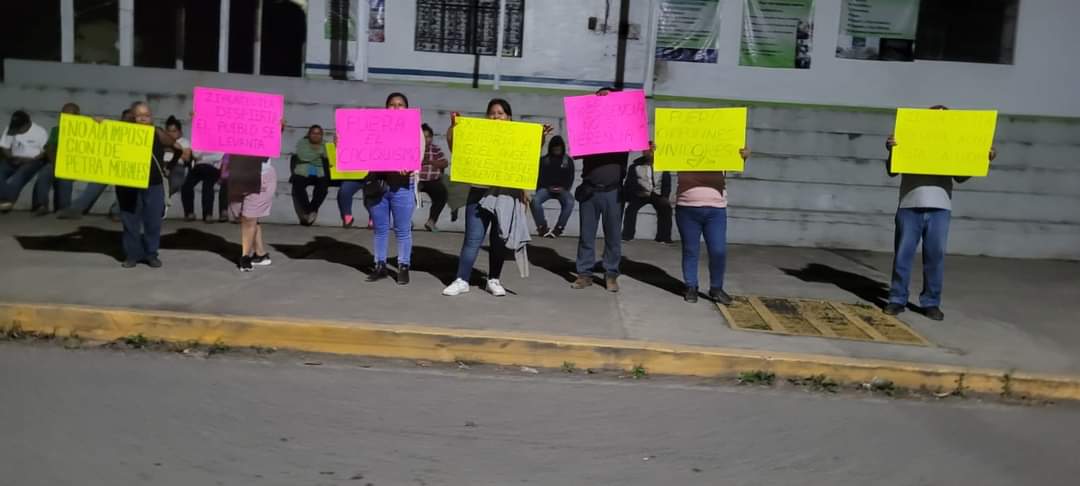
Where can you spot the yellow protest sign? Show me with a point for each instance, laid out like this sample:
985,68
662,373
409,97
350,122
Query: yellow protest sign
110,152
943,142
349,175
701,140
496,153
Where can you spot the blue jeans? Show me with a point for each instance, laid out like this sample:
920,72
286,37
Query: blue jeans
395,207
566,204
607,207
932,227
47,181
345,196
712,224
477,222
140,213
14,177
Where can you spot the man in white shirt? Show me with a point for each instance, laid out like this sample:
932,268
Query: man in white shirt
22,154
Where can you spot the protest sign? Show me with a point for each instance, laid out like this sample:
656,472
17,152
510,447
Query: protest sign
379,140
700,139
237,122
496,153
341,175
109,152
603,124
943,142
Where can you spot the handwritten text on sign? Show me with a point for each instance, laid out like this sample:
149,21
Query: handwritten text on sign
341,175
602,124
378,139
496,153
943,142
110,152
237,122
700,140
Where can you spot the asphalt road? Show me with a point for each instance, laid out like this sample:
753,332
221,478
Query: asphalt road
96,417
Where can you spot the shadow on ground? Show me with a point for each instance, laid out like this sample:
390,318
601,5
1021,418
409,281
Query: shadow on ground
88,239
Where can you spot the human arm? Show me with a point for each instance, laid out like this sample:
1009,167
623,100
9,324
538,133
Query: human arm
889,144
450,131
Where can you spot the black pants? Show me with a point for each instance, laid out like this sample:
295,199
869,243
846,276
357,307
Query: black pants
301,203
663,216
207,175
436,190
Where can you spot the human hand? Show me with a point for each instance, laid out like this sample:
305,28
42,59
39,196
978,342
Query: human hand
993,153
745,153
548,129
453,118
890,142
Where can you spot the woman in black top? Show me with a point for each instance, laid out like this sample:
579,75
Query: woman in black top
141,210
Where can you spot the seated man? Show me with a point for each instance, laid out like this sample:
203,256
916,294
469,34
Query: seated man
22,154
47,180
555,181
646,186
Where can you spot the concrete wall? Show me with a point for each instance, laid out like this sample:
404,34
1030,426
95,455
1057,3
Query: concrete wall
817,177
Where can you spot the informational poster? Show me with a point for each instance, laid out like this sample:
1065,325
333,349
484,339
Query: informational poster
348,32
688,30
237,122
604,124
109,152
878,29
496,153
378,139
341,175
943,142
377,21
701,140
777,33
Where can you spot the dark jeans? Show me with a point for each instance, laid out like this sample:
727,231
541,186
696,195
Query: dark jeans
712,224
177,176
345,195
663,216
204,174
140,213
47,181
301,203
477,222
14,177
932,227
566,205
436,190
606,207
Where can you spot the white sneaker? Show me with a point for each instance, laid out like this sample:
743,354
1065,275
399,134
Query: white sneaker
456,287
496,288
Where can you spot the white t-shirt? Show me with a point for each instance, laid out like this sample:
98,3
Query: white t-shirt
29,144
212,158
169,155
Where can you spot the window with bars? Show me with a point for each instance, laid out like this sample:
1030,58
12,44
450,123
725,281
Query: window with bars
468,27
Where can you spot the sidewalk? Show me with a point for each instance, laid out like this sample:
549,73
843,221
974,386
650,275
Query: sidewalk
1000,314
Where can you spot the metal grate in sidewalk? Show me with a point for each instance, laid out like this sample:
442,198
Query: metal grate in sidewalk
818,318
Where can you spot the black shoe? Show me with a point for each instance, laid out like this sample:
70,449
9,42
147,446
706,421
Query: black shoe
189,217
208,219
154,262
245,265
719,296
261,260
42,211
453,215
403,275
557,232
934,313
691,295
893,309
542,231
379,273
224,218
128,264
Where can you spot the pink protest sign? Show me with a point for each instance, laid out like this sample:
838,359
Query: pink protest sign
378,140
603,124
237,122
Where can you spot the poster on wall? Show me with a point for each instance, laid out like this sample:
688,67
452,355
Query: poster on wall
376,24
688,30
878,29
777,33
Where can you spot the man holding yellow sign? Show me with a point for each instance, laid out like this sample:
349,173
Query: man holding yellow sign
932,149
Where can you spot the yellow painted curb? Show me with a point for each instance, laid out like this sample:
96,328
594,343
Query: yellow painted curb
511,348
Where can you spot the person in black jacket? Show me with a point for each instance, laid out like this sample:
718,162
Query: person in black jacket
646,186
556,180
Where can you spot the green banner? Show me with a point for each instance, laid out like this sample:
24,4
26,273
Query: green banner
892,19
777,33
687,30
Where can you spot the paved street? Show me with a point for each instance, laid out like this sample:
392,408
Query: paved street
97,417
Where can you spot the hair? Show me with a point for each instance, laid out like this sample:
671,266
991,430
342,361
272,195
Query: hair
138,104
939,107
395,94
427,128
606,88
557,141
74,108
173,122
502,103
19,119
125,113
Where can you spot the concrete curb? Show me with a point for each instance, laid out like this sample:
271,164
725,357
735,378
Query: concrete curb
511,348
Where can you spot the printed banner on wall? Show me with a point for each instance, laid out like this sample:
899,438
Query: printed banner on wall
943,142
878,29
777,33
497,153
110,152
376,24
688,30
700,139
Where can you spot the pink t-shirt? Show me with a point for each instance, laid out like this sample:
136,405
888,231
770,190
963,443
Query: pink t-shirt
702,189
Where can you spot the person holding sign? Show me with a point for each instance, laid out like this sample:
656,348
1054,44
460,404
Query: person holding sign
141,209
390,198
500,209
701,211
22,154
309,169
599,200
923,214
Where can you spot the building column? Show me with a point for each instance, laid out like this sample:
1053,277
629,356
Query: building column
127,32
499,34
650,47
257,69
223,37
67,30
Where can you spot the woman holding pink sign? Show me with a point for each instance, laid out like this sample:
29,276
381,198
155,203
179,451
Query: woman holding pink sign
390,198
